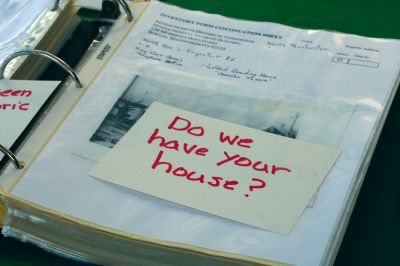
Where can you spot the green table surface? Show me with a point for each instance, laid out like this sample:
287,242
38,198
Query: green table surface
373,233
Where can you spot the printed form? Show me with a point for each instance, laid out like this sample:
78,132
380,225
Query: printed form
263,55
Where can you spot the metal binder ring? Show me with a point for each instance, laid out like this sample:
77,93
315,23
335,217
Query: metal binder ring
55,5
45,54
17,163
126,8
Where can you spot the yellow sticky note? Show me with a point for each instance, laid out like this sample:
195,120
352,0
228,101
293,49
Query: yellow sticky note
225,169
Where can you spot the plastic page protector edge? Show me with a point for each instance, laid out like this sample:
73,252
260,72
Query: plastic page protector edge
239,173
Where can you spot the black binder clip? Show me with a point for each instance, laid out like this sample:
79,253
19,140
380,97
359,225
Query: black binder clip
110,12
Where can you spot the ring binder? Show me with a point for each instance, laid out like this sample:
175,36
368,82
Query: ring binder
45,54
126,8
17,163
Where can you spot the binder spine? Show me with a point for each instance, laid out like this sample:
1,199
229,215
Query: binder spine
45,54
19,164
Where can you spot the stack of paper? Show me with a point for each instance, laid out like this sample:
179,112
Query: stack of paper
34,25
199,179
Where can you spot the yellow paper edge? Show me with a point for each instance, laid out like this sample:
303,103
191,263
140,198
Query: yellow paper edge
186,248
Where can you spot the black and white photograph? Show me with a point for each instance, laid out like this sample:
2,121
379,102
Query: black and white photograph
276,116
122,116
287,128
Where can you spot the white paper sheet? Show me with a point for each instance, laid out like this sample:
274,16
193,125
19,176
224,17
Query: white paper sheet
316,75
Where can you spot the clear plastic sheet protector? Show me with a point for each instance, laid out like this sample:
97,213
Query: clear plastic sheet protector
327,73
16,17
22,25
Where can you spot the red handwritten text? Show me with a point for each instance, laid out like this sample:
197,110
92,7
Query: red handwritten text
174,144
246,162
182,124
181,171
15,93
245,143
14,106
260,184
